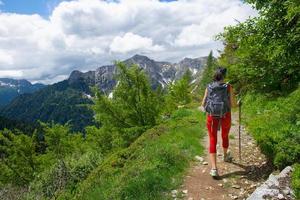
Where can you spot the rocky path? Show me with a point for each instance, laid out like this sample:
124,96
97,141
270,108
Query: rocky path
237,179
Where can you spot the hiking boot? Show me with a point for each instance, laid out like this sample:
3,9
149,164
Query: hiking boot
227,157
214,173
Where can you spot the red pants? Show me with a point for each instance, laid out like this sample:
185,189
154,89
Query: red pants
212,127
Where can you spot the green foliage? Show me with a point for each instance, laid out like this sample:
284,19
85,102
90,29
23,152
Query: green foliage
62,176
69,158
207,74
61,104
262,54
133,108
101,139
58,140
18,159
296,180
151,165
19,125
274,124
178,94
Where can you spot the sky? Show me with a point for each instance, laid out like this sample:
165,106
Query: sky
45,40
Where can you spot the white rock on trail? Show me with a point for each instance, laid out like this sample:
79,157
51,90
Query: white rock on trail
199,158
280,196
271,187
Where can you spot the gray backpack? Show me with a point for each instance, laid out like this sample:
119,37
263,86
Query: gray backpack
218,99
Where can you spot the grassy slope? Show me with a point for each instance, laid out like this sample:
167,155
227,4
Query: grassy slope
152,166
275,125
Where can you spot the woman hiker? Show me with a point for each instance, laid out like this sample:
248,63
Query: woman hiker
217,103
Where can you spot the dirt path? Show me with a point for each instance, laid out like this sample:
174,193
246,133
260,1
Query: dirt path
237,180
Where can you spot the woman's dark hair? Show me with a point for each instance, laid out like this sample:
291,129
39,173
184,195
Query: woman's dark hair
220,74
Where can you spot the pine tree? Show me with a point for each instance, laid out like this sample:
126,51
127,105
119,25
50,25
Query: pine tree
134,106
18,159
208,73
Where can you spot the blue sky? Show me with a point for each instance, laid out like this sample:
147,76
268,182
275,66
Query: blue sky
41,7
86,34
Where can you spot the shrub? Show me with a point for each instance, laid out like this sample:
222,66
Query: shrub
275,125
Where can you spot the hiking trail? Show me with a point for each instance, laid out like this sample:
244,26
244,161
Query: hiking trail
237,179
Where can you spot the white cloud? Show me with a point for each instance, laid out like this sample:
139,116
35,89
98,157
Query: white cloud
130,42
83,34
11,73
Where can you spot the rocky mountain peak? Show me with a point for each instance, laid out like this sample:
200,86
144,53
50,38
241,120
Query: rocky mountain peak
139,57
159,72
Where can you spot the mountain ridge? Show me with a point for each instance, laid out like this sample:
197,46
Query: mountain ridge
160,72
11,88
62,101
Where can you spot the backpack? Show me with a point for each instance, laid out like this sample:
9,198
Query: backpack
218,99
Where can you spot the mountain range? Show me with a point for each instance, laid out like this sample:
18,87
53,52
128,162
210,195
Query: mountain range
11,88
69,100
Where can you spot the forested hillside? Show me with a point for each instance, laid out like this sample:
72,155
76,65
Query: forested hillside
11,88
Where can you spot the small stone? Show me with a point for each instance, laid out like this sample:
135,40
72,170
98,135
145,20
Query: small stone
174,191
199,158
225,180
233,196
236,186
286,191
280,196
184,191
205,163
220,184
190,198
203,171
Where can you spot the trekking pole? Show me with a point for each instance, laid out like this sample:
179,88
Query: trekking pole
240,113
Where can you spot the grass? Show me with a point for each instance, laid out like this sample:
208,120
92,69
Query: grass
275,125
152,166
296,181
